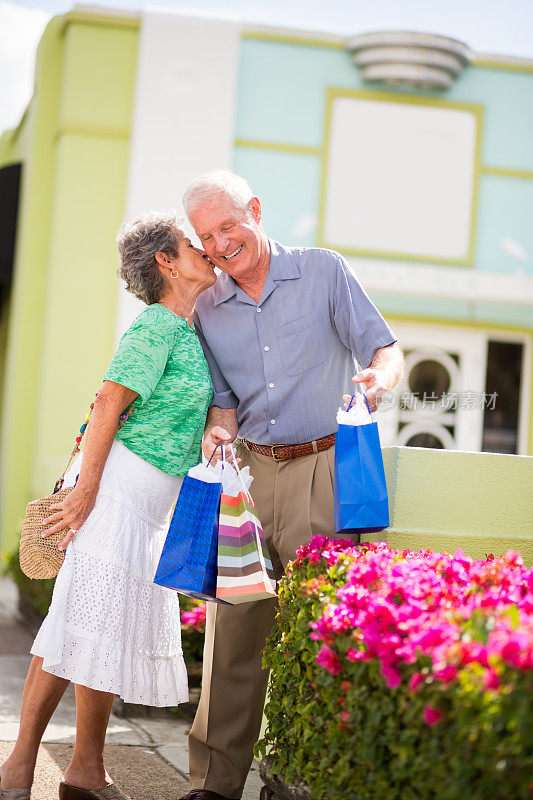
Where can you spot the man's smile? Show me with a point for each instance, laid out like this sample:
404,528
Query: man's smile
232,255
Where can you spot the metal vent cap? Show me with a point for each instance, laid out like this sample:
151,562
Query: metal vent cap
408,58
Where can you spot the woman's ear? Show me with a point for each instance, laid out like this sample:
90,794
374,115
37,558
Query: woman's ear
162,259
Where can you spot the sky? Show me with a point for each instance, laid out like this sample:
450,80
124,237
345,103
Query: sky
487,26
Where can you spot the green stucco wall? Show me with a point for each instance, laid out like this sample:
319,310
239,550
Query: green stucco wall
445,500
63,304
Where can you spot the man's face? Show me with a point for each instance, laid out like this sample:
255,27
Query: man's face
231,237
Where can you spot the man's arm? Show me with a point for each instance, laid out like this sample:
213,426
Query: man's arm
220,428
382,375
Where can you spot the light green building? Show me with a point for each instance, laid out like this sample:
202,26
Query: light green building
428,193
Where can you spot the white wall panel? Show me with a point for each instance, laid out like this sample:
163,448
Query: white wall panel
400,178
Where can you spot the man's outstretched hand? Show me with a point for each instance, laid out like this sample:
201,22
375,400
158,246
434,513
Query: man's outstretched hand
376,384
382,375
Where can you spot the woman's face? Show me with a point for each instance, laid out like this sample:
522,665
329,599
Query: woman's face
193,265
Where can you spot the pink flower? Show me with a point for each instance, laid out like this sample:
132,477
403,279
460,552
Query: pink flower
415,681
195,618
432,715
392,677
515,649
358,655
446,673
328,659
491,679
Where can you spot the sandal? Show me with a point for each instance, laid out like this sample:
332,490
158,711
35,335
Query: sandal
15,794
68,792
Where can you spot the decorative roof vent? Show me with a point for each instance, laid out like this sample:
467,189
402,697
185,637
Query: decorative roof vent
408,58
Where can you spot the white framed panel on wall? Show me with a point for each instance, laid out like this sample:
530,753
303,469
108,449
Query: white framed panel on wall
400,176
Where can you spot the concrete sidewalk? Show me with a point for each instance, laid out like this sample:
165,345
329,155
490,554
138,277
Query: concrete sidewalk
147,757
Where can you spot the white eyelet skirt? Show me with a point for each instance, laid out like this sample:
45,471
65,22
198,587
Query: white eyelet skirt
109,627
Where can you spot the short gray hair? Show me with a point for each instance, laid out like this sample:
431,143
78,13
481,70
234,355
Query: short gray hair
219,182
138,241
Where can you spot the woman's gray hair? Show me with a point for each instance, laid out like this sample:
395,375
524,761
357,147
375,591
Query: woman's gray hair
138,241
216,183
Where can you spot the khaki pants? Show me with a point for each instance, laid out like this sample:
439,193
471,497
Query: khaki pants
294,501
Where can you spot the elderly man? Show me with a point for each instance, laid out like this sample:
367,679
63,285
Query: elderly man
281,329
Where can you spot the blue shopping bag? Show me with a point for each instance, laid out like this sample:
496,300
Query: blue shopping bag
188,561
361,502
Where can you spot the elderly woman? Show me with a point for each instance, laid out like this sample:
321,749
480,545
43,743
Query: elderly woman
110,629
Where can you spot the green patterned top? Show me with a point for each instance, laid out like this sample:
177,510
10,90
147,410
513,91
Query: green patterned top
161,358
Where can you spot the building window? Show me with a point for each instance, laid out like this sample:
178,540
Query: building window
504,373
462,389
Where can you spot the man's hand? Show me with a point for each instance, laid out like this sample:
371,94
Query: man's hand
214,438
382,375
220,429
376,384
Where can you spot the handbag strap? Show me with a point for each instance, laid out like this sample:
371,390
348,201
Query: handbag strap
76,449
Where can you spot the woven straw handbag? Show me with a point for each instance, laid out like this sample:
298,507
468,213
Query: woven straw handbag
41,558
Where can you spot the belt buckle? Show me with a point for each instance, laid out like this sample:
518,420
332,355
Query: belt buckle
273,451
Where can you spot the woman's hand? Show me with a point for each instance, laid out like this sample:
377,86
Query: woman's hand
71,513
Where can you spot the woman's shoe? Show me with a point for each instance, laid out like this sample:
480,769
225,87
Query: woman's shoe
68,792
15,794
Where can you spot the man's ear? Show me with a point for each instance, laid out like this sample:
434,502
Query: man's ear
255,208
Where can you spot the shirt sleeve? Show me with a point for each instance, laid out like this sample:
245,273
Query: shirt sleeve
358,323
141,356
223,396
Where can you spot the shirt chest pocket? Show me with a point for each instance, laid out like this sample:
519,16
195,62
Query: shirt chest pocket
303,344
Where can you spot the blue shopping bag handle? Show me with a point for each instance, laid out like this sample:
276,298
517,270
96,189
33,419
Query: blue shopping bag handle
214,451
351,401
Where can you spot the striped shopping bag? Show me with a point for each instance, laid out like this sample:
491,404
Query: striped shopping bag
244,567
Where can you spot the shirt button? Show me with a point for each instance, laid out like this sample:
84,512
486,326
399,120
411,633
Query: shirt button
258,310
267,348
272,421
271,385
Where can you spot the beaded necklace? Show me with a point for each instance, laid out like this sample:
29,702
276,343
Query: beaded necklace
122,419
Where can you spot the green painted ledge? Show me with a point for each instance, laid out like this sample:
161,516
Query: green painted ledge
446,499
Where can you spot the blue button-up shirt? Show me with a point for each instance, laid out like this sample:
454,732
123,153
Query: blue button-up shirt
285,362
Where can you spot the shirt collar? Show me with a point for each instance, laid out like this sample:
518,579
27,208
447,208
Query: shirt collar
282,267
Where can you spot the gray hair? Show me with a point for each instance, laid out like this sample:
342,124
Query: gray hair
138,241
219,182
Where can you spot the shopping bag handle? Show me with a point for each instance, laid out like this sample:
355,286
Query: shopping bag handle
249,496
236,466
353,398
214,451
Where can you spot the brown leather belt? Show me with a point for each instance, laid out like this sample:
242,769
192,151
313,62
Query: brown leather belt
285,452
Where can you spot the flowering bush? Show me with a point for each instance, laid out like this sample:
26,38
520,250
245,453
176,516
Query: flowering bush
192,628
401,674
192,615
